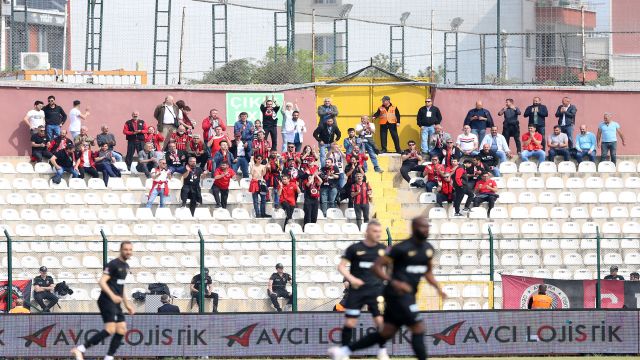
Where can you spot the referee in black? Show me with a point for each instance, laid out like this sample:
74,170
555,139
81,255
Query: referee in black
365,287
277,287
42,290
402,268
112,295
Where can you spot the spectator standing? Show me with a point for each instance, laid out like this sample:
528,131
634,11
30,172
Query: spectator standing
76,117
105,163
208,292
327,111
311,182
540,300
537,114
86,161
106,137
176,159
241,155
558,145
181,138
461,186
532,142
428,117
329,189
277,287
445,191
54,117
35,117
585,145
272,178
490,159
388,117
362,194
43,290
223,155
160,184
608,132
308,156
269,111
339,160
486,191
221,179
147,160
287,116
261,146
168,115
167,307
64,161
497,143
288,192
134,130
566,114
40,145
432,173
479,119
511,124
258,186
294,130
84,137
210,123
326,134
257,128
438,141
184,110
292,170
365,130
244,127
155,139
613,274
450,152
352,170
411,159
197,149
291,153
191,185
467,142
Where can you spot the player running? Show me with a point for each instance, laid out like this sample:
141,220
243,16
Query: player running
406,262
365,288
112,295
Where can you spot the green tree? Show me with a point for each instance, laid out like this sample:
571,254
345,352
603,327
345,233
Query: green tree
234,72
383,61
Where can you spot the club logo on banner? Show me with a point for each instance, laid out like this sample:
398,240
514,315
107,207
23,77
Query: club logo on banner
21,289
559,299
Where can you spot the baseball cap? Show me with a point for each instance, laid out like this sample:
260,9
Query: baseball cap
386,98
614,268
43,269
279,266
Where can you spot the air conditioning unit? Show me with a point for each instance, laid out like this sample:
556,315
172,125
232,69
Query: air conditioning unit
34,61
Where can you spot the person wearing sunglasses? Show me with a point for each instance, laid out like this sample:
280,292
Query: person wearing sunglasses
428,117
54,117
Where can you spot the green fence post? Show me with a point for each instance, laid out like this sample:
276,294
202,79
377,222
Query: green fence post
202,284
598,289
105,249
294,281
10,270
491,266
389,239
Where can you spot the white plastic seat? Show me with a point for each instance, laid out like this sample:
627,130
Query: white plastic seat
39,184
627,197
516,183
15,199
518,212
427,198
91,262
538,212
535,183
221,214
335,214
29,215
579,212
547,167
72,198
567,197
529,167
499,212
599,212
606,167
562,274
530,228
164,214
437,213
133,184
570,228
448,260
42,230
572,259
619,212
449,228
554,182
547,197
63,230
24,168
96,184
240,214
626,166
116,183
588,197
551,259
130,199
530,259
614,182
508,167
612,259
575,183
49,215
43,168
632,182
21,184
541,273
631,228
527,197
510,259
587,167
634,212
607,197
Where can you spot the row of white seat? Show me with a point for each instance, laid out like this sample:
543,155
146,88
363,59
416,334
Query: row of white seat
569,167
545,244
527,228
551,259
540,212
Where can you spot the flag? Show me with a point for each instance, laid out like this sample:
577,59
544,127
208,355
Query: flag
21,289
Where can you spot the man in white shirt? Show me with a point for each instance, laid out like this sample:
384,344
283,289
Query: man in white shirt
35,117
293,129
467,142
167,114
365,129
498,143
75,119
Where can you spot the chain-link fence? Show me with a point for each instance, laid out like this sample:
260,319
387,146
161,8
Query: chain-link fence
545,42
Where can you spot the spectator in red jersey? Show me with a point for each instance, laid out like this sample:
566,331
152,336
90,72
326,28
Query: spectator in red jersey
86,161
432,173
176,159
361,193
288,192
450,152
223,155
257,128
258,186
485,190
273,177
241,151
220,189
361,157
532,145
292,170
291,153
160,185
197,149
261,146
216,139
352,169
105,163
61,142
134,130
461,187
210,123
308,156
445,190
188,124
147,160
181,138
40,144
154,138
311,182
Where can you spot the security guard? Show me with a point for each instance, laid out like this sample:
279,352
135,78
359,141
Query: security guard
541,300
278,287
42,290
388,116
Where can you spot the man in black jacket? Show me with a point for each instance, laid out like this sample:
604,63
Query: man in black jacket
326,134
489,159
479,119
566,114
428,117
167,307
134,130
537,113
54,117
269,110
511,125
241,151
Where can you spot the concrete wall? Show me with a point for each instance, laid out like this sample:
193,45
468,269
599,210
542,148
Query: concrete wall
114,106
592,104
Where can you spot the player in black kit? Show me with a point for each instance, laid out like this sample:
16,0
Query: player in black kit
402,268
112,295
365,288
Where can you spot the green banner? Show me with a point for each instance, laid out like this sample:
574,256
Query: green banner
250,102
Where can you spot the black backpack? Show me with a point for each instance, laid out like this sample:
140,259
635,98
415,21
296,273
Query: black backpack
159,289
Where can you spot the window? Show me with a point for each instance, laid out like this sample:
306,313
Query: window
325,46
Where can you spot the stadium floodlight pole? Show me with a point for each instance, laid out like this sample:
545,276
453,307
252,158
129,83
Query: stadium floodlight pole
598,288
105,249
9,270
497,41
294,281
202,284
181,60
491,266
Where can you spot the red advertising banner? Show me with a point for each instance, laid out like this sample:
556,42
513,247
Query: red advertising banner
21,289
